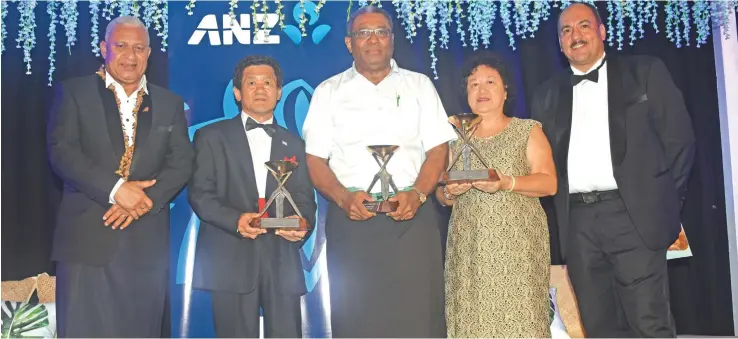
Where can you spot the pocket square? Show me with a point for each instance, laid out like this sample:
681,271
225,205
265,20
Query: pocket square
284,143
293,159
641,98
164,128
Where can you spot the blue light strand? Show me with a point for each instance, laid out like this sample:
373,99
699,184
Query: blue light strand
630,13
69,16
27,30
444,12
431,21
684,9
474,12
51,11
701,20
459,14
95,26
610,24
506,21
3,30
619,15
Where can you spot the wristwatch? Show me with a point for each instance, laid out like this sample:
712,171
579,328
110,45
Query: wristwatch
421,195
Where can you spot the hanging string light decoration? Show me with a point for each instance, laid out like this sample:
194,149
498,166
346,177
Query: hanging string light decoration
3,14
685,23
94,26
51,11
27,30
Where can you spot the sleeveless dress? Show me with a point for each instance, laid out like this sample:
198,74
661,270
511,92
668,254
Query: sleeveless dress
497,259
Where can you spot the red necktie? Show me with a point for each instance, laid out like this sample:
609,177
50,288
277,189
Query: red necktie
262,203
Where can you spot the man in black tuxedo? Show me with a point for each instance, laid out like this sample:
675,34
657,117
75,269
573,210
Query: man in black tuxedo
120,144
623,146
246,268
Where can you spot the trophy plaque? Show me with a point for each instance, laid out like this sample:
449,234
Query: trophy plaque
382,155
281,170
464,125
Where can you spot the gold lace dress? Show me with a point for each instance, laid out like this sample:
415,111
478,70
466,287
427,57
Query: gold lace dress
497,259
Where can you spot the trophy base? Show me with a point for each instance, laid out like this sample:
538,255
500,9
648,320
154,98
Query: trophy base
381,206
458,177
292,224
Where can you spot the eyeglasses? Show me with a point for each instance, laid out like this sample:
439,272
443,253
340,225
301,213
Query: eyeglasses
366,33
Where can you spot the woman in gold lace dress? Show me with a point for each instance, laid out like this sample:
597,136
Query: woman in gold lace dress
497,260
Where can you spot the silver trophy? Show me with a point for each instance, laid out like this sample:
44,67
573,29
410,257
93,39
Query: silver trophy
465,124
281,170
382,155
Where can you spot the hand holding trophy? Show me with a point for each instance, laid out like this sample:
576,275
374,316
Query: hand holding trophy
382,154
465,124
281,170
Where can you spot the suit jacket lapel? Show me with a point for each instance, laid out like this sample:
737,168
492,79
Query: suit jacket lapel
112,119
563,121
616,111
143,129
236,138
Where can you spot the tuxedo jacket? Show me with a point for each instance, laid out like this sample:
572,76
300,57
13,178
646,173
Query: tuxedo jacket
222,188
85,144
651,143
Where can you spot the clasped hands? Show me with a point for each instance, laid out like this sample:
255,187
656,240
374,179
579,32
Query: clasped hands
131,203
246,231
353,205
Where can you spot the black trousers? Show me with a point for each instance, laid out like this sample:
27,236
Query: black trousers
386,277
237,315
621,285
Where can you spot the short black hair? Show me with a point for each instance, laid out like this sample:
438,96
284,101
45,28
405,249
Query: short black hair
365,10
253,60
591,7
496,62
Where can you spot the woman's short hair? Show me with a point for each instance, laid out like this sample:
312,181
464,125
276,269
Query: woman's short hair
496,62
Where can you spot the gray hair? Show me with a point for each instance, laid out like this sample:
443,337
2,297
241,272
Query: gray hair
126,21
366,10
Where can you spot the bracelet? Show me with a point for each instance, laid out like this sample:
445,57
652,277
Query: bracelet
512,187
447,195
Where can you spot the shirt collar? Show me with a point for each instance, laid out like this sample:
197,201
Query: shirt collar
352,72
245,116
597,64
142,84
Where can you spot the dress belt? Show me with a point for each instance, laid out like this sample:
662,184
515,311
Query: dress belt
593,197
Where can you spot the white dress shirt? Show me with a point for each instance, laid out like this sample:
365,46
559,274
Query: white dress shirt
127,104
589,162
260,144
348,113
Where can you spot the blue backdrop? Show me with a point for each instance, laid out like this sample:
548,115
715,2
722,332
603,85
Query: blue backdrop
203,53
202,59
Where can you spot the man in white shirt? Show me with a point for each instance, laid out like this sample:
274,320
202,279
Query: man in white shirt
243,267
120,144
623,146
386,275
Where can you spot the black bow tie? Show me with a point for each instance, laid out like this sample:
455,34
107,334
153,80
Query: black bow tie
593,76
268,128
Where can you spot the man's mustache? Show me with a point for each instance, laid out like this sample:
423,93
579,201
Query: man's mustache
577,43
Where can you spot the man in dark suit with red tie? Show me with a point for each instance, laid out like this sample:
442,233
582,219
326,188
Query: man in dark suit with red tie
247,268
623,147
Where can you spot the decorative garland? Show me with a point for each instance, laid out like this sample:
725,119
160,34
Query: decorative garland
686,23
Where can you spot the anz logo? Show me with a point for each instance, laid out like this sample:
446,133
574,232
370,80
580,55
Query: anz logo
238,28
241,28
